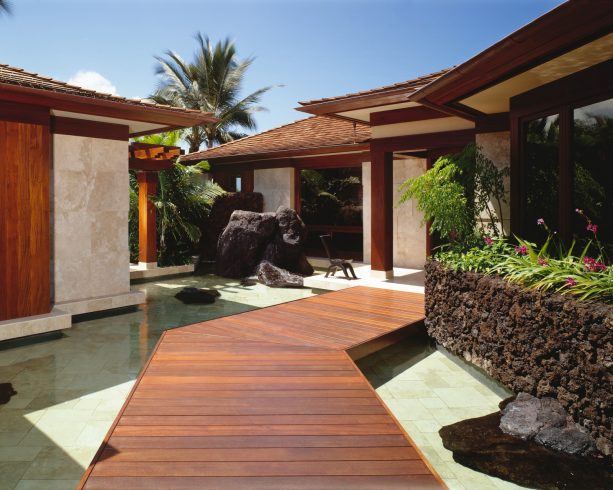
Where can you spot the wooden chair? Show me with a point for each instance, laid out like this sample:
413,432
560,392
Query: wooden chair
336,263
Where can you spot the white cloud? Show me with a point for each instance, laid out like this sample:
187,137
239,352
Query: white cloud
94,81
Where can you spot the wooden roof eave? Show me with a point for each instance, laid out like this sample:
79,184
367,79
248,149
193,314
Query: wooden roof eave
300,152
167,117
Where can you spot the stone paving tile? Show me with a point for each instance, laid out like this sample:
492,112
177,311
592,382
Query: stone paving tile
428,395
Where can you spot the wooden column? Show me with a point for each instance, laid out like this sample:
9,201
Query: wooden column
382,206
147,230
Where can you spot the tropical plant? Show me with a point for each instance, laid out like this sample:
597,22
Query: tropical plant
550,267
5,7
182,201
212,82
457,193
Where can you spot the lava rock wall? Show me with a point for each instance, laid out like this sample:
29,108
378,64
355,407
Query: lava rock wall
541,343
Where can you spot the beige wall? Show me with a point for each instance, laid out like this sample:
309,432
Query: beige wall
277,187
497,147
90,229
366,206
409,236
409,233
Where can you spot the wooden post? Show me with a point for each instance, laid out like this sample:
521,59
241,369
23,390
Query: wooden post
147,230
382,230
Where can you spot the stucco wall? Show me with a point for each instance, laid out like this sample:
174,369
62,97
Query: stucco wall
409,236
497,147
366,205
277,186
90,228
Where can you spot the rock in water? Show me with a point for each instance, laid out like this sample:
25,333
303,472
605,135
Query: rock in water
480,444
545,421
276,277
241,244
285,250
197,295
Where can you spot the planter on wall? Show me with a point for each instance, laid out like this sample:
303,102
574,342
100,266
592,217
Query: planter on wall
542,343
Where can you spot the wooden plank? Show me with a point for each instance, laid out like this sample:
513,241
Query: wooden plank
221,406
25,236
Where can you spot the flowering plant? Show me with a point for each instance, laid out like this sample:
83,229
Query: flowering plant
562,271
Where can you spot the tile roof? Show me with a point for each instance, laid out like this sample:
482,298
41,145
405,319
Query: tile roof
19,77
312,132
409,85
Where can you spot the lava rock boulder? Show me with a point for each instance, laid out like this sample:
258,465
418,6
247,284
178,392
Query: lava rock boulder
242,242
276,277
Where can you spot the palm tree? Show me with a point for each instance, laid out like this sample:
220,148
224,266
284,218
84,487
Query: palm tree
5,7
182,202
212,82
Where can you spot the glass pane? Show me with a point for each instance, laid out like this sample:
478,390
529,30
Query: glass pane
331,203
542,138
593,168
238,187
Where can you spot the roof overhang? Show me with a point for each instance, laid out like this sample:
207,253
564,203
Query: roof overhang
141,119
277,155
152,157
567,39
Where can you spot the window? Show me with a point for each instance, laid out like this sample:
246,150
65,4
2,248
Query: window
562,156
542,140
592,160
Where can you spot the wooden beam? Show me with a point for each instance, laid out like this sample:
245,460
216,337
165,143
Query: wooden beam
426,141
382,205
408,114
493,123
89,129
147,228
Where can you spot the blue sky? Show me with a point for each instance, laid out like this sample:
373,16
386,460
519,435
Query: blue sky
308,49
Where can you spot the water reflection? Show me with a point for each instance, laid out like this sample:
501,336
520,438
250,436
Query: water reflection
70,390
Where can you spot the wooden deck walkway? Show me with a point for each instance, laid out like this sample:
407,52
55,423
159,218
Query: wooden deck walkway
268,399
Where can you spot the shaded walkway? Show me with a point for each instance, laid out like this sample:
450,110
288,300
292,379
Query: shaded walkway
268,399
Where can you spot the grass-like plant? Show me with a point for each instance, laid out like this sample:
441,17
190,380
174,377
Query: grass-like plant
550,267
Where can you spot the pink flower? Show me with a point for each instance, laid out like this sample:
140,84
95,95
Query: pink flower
523,250
592,227
579,211
593,265
488,240
543,262
540,221
570,282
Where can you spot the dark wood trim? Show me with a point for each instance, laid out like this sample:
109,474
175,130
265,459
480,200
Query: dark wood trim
247,181
565,28
451,110
102,107
493,123
381,210
274,155
408,114
24,113
354,103
426,141
518,173
89,129
327,161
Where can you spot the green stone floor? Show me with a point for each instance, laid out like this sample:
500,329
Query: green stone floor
69,390
426,390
